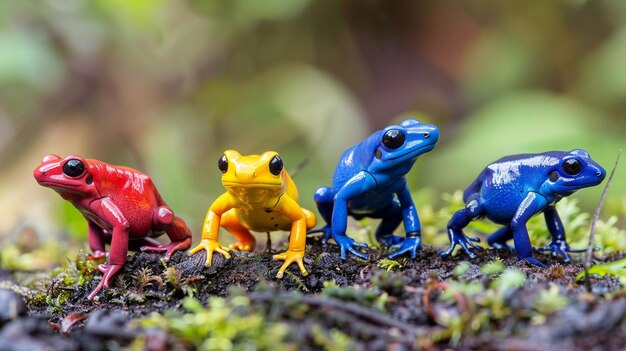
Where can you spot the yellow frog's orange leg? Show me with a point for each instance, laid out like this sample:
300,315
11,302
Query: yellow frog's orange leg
245,240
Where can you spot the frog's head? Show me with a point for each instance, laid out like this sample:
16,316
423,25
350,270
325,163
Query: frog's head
252,176
575,170
68,176
399,146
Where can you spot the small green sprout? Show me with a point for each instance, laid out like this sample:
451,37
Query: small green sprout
494,267
511,278
547,302
390,265
461,268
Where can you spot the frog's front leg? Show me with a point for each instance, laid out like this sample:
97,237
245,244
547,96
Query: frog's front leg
559,244
473,209
109,213
324,199
531,205
297,238
210,229
413,240
357,185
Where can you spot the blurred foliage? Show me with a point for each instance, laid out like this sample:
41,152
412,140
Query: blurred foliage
223,325
166,86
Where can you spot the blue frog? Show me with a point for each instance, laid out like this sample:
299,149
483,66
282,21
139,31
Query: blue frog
515,188
370,181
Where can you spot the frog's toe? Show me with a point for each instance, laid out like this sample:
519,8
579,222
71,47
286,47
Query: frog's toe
534,261
501,246
410,245
391,240
242,246
326,231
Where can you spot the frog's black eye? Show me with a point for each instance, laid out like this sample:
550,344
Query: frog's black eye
393,139
276,165
222,164
73,168
572,166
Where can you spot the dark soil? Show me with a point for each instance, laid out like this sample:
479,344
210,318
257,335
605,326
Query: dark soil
411,320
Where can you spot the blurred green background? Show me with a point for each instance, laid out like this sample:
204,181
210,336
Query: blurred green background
166,86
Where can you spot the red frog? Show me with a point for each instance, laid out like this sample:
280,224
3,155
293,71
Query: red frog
122,206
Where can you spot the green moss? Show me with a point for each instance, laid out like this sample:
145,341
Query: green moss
494,267
223,324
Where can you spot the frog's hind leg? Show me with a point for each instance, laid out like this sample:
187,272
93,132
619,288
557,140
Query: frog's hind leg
97,239
499,238
391,218
473,209
245,240
176,230
325,200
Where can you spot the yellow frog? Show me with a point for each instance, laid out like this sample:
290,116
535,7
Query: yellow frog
260,197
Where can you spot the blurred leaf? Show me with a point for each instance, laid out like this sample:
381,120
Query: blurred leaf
28,59
615,268
73,221
497,64
603,71
142,14
245,12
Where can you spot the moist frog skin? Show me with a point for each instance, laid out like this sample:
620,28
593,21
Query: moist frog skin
370,181
260,196
122,208
515,188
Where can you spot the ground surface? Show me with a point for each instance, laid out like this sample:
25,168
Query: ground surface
423,304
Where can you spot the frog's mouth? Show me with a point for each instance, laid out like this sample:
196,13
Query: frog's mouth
57,185
581,185
251,184
420,150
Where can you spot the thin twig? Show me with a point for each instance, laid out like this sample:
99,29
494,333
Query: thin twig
366,314
594,221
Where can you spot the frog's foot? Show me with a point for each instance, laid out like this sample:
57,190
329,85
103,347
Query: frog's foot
502,246
466,242
409,245
291,256
170,248
96,255
242,246
328,233
109,272
210,246
534,261
347,244
390,240
559,248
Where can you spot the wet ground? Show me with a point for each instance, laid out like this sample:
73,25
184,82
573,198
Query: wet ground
415,313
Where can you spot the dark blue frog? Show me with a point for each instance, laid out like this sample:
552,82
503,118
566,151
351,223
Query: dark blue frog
513,189
370,181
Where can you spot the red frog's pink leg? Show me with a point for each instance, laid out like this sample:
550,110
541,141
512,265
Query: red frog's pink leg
106,210
175,228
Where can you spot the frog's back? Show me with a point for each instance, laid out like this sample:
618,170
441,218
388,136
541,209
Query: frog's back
355,159
505,183
124,184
